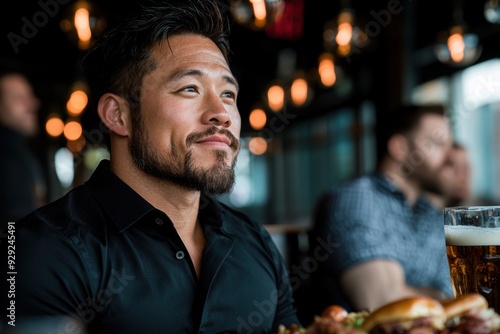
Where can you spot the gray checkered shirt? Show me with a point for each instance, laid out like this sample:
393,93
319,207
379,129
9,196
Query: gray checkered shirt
369,218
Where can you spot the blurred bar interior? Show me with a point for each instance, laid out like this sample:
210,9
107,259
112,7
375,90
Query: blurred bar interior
315,76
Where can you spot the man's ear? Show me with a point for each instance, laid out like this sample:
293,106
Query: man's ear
398,147
114,112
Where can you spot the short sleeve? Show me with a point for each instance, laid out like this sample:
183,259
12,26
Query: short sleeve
50,276
354,221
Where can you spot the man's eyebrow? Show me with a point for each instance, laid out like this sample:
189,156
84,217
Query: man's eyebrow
232,80
178,75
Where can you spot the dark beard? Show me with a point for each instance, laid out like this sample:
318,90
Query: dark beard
215,181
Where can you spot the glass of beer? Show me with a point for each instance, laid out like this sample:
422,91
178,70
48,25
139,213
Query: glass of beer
473,248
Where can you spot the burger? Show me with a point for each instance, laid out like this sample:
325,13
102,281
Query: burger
470,314
336,320
466,314
413,315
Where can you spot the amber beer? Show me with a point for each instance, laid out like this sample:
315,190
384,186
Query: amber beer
474,260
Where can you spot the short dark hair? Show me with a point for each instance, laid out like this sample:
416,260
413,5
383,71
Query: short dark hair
402,120
119,60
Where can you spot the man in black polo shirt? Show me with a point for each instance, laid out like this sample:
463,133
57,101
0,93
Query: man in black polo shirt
142,247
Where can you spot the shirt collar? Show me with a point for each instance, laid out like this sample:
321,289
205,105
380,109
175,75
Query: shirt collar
125,206
384,182
211,212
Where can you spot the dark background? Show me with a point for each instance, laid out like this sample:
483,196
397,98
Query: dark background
397,58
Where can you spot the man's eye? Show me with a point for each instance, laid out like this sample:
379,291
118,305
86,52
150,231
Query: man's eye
230,95
189,89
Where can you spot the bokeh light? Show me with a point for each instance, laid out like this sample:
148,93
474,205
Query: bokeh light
72,130
257,145
54,126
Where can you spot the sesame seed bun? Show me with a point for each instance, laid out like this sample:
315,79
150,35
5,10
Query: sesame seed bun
456,307
405,311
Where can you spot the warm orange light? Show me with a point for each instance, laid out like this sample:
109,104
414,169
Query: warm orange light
344,34
259,9
326,70
257,119
257,146
456,46
299,91
72,130
77,102
82,24
54,126
276,97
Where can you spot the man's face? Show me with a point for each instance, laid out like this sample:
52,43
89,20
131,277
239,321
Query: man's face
455,176
188,128
429,146
18,105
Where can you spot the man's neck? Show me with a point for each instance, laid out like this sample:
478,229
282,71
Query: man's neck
180,204
392,170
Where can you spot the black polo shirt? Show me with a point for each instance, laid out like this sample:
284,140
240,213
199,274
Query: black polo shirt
106,256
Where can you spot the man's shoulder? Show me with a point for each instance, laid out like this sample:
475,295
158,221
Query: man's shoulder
59,213
355,196
362,183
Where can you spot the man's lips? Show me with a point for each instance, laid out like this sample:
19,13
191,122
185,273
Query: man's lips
215,141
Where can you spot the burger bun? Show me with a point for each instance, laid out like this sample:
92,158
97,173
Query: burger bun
405,311
459,306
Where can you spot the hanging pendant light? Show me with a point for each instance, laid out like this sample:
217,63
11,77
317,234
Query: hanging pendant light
342,36
456,46
326,69
256,14
83,22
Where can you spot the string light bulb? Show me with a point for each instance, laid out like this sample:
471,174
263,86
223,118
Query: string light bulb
342,36
257,14
276,97
299,91
72,130
83,22
326,70
457,47
257,146
257,119
54,126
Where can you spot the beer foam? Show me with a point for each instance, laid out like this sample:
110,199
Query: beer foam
471,236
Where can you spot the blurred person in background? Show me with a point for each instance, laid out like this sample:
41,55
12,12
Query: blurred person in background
389,239
455,179
22,185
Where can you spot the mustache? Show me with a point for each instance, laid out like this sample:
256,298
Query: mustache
196,136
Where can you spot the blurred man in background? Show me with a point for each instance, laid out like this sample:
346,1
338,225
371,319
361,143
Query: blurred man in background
455,180
389,238
22,187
